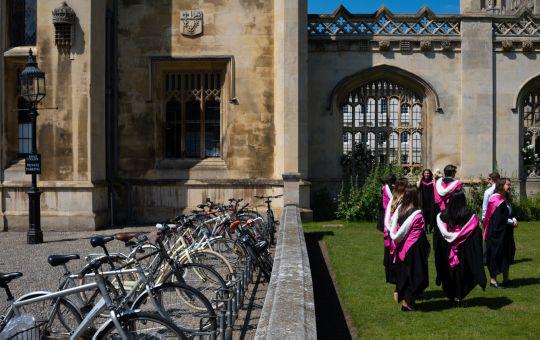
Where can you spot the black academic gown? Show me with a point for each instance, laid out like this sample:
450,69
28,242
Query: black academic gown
458,282
411,274
428,204
500,247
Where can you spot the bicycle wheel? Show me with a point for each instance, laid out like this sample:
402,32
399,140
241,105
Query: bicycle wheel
203,278
212,259
231,250
171,297
142,325
60,316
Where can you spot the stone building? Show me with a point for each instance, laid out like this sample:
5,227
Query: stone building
154,105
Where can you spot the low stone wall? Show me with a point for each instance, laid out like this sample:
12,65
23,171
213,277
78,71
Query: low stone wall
289,307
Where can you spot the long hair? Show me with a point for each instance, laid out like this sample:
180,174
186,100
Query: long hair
388,179
499,188
409,202
430,174
399,190
456,212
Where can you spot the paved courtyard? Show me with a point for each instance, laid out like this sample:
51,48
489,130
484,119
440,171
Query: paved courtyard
31,260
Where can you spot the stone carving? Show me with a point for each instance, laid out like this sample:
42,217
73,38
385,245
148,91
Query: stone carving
192,23
384,45
425,45
446,45
384,22
523,26
63,19
527,46
507,45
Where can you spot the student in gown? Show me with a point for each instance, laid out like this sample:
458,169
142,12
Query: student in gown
493,178
499,224
463,266
396,197
444,187
409,249
425,188
388,183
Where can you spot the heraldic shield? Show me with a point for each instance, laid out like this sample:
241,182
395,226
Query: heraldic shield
192,22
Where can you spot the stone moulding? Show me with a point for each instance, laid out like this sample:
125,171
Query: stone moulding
522,24
382,23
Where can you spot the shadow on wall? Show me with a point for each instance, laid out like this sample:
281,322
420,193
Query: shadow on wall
331,322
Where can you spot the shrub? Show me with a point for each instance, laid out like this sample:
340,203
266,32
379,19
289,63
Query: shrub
475,197
360,201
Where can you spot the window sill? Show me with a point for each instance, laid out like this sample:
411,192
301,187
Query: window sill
20,51
191,163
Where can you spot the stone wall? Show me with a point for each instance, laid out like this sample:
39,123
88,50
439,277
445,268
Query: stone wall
289,306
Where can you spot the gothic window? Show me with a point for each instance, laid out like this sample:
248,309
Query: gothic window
530,108
193,115
22,22
388,122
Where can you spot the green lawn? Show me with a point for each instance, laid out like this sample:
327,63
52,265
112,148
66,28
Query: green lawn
356,252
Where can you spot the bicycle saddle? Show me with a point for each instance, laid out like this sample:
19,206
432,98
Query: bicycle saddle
98,241
261,246
6,278
124,237
57,260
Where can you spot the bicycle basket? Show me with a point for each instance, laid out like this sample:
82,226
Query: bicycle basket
32,333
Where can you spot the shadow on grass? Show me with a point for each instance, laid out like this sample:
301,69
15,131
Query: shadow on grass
331,322
529,281
522,260
493,303
432,294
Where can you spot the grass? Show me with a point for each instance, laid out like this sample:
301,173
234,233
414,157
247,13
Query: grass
356,253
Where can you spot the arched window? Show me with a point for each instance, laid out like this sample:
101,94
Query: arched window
390,128
530,108
22,22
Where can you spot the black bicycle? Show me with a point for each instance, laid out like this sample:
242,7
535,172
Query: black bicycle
270,220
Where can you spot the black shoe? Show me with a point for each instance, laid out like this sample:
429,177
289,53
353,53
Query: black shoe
496,285
406,309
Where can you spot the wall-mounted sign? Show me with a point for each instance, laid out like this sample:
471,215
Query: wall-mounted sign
32,164
192,23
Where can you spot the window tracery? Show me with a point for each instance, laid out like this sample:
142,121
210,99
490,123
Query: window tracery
386,121
530,108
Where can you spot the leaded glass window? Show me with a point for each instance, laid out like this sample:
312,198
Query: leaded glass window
22,22
388,122
530,107
193,115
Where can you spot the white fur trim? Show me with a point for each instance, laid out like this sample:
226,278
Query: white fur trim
445,191
448,236
399,235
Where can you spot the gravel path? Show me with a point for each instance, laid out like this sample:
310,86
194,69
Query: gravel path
31,260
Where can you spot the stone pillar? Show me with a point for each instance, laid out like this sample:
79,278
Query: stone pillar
477,110
470,6
2,108
290,92
291,189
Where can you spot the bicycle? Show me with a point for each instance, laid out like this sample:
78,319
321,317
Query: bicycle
270,221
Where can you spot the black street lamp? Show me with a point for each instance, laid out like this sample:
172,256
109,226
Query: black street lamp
32,88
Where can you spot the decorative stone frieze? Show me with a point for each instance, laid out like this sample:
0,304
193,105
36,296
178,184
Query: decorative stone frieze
446,45
425,45
384,45
405,46
527,46
507,45
192,23
63,19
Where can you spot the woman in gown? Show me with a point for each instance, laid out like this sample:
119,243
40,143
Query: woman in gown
425,188
463,266
409,249
499,224
388,183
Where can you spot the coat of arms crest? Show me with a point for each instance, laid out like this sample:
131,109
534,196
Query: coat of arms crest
192,22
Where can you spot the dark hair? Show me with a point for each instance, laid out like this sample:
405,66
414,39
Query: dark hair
399,190
388,179
409,202
430,173
494,176
450,170
499,188
457,212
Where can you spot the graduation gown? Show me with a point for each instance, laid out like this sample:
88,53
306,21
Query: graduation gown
463,266
409,252
386,195
443,189
387,260
428,202
500,247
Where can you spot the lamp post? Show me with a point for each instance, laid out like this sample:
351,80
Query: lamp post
32,88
